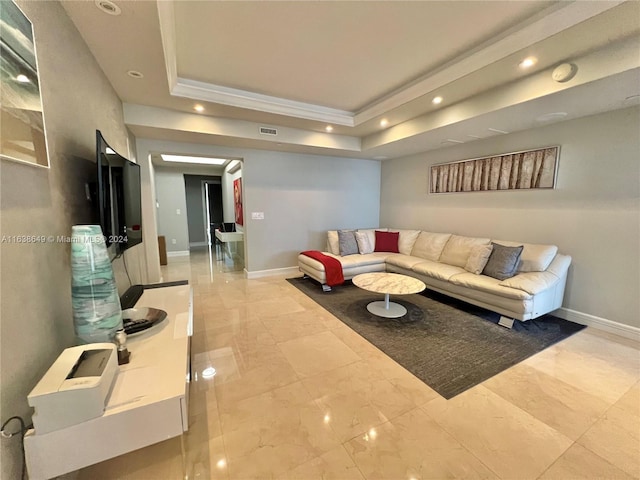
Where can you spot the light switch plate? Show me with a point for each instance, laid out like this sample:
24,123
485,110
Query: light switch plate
257,215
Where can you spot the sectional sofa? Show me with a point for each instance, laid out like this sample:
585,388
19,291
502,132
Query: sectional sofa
518,280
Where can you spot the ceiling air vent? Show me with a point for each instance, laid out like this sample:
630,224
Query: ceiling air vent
268,131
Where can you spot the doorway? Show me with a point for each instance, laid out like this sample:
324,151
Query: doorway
213,209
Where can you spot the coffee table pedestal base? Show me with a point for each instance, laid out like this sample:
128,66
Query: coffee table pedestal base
386,308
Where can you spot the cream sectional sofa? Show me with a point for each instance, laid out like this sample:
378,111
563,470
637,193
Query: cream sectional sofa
439,260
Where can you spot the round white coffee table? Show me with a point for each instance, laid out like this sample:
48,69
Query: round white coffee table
389,284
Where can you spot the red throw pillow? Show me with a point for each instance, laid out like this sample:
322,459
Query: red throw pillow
387,242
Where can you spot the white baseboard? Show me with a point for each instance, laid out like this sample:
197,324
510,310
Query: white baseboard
273,272
181,253
616,328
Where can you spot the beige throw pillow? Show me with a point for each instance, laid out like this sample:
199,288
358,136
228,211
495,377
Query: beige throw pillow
364,243
478,258
333,242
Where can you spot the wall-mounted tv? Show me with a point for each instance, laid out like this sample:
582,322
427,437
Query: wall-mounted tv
119,198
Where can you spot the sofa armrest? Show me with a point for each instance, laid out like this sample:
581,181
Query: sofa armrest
536,282
560,265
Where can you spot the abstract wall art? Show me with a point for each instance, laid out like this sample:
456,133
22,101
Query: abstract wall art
524,170
22,135
237,200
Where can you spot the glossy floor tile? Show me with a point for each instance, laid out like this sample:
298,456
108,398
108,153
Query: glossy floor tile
284,390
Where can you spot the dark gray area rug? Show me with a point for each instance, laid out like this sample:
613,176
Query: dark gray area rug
450,345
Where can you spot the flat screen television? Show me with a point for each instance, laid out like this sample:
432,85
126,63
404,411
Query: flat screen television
119,198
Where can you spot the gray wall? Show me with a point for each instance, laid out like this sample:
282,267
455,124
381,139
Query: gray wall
171,197
36,319
302,196
593,214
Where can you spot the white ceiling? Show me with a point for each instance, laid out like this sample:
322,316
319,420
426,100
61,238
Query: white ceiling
300,66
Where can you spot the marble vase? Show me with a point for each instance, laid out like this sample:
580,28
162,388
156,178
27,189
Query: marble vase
96,304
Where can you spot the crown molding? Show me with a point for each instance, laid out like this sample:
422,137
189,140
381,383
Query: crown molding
544,25
233,97
166,17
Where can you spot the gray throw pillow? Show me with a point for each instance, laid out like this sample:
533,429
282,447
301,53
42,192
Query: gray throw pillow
347,242
503,261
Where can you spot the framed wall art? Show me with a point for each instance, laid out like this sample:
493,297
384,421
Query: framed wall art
523,170
237,201
22,131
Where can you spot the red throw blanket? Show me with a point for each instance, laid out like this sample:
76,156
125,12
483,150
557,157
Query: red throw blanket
332,267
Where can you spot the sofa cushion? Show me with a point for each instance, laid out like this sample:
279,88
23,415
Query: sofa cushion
347,242
441,271
387,242
351,261
535,257
403,261
333,243
406,240
531,282
364,243
488,285
429,245
503,261
457,249
478,258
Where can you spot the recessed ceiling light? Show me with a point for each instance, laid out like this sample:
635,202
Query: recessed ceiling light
437,100
329,128
135,74
528,62
22,78
189,159
108,7
198,108
384,122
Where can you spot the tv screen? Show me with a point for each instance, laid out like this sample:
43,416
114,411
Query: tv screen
119,199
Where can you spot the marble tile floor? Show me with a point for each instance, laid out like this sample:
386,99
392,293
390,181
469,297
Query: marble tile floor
298,395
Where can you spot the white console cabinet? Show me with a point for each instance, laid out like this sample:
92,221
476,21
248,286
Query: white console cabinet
148,403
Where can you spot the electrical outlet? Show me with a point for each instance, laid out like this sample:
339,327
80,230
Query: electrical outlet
177,211
173,241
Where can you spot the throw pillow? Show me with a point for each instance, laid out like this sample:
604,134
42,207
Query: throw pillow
347,242
478,258
503,261
387,242
364,244
332,242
